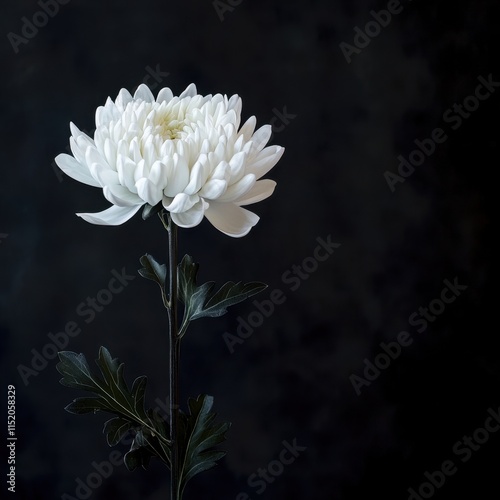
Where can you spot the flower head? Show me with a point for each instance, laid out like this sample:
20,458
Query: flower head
187,153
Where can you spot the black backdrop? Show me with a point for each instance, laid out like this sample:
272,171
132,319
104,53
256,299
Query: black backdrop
343,124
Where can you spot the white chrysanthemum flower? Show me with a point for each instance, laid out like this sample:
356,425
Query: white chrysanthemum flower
186,152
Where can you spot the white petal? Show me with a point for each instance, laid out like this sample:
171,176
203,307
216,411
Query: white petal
189,92
75,170
123,98
126,168
93,156
78,147
121,196
262,136
158,175
75,132
191,217
110,153
181,203
265,161
229,122
231,219
178,175
262,190
247,129
237,165
149,152
135,150
113,216
222,171
141,170
236,104
104,174
195,179
213,189
103,116
165,95
148,191
144,93
238,189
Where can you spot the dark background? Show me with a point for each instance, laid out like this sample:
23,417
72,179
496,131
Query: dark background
291,378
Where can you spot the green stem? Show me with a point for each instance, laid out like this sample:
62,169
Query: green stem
174,355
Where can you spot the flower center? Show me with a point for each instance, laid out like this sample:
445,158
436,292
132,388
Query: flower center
169,127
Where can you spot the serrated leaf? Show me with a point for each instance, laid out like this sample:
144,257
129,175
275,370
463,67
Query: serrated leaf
228,295
197,438
187,271
113,395
115,429
153,270
75,371
139,457
144,446
210,460
80,406
139,394
199,301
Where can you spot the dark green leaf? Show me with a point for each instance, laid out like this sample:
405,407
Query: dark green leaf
152,270
115,429
111,394
199,301
75,371
144,446
197,438
81,406
139,457
228,295
139,394
187,271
